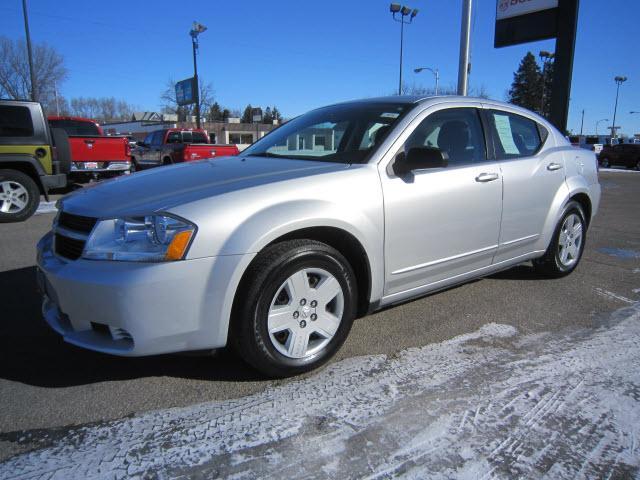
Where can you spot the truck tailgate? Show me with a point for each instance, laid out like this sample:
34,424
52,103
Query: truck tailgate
99,149
194,151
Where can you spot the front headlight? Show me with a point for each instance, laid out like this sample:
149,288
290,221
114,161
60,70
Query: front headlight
152,238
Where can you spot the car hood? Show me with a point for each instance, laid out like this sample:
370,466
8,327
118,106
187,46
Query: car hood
162,188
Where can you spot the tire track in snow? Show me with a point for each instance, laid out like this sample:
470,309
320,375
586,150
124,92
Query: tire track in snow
490,404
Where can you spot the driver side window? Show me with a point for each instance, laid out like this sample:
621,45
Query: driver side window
456,132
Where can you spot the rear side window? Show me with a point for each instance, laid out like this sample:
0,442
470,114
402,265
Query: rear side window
15,122
156,138
514,136
74,127
199,137
174,137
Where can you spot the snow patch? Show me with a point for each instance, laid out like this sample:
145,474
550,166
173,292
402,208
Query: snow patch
491,403
619,252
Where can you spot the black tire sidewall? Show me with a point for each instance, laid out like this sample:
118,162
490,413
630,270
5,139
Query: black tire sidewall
269,360
571,208
34,196
604,163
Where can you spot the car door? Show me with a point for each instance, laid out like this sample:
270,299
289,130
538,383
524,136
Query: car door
155,151
142,151
533,177
440,223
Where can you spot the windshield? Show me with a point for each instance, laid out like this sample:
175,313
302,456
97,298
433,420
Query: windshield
346,133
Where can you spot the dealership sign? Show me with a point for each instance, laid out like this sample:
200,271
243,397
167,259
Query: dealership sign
521,21
514,8
186,91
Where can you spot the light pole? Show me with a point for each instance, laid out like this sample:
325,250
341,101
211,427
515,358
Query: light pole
34,89
465,40
197,29
435,72
545,58
598,123
404,11
619,81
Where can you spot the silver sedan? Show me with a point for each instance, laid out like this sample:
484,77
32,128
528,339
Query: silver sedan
339,212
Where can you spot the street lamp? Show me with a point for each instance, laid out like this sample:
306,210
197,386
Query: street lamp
598,123
545,58
403,11
435,72
196,30
619,81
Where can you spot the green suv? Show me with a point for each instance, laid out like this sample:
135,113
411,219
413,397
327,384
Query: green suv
34,159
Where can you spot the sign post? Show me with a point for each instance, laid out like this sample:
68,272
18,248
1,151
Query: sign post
522,21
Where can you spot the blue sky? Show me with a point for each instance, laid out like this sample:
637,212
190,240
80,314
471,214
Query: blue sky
302,54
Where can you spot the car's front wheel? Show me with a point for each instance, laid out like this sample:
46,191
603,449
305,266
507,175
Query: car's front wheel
604,162
565,251
294,308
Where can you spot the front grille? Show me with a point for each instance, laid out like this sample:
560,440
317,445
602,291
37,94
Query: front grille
68,247
76,222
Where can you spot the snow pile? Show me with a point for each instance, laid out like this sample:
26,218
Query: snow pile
491,403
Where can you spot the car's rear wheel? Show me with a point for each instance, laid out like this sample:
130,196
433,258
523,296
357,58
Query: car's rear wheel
294,308
566,248
638,165
19,196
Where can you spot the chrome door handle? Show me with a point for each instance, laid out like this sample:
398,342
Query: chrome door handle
487,177
554,166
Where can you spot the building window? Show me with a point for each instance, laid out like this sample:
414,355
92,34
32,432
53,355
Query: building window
319,141
240,138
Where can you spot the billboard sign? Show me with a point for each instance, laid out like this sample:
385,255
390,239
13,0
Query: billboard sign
514,8
186,91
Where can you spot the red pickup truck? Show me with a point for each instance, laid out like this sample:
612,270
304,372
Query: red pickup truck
93,155
175,145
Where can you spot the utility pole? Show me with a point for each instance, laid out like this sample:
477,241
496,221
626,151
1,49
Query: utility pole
465,35
582,122
34,89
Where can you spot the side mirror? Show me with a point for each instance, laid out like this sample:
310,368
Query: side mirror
420,158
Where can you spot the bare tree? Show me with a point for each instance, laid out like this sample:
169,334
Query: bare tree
49,71
103,109
170,104
451,89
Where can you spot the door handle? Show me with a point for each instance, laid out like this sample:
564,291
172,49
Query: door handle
554,166
487,177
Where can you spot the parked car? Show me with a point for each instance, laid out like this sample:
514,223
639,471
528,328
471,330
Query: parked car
93,154
337,213
176,145
34,159
626,155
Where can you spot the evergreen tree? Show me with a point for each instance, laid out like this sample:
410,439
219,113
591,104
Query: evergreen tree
267,117
275,114
215,113
247,115
526,89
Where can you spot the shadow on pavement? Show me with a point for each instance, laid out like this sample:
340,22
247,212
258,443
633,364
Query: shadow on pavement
32,353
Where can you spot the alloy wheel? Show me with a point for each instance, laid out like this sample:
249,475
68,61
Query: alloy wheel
13,197
570,241
305,313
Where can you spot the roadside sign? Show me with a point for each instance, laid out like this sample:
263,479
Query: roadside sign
256,115
522,21
186,91
514,8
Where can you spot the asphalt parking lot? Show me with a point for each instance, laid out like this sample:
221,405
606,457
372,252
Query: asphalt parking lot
47,386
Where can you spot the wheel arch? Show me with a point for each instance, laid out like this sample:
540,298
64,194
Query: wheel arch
26,166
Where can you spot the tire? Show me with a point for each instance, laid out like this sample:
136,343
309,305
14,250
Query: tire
19,196
63,149
638,165
263,333
604,162
134,165
167,161
564,253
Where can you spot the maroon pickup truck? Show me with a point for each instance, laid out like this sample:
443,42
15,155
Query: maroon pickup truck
93,155
175,145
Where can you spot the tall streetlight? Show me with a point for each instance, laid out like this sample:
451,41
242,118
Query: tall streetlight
619,81
598,123
34,89
464,67
403,11
197,29
435,72
545,58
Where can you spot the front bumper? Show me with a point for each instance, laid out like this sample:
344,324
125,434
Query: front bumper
135,309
